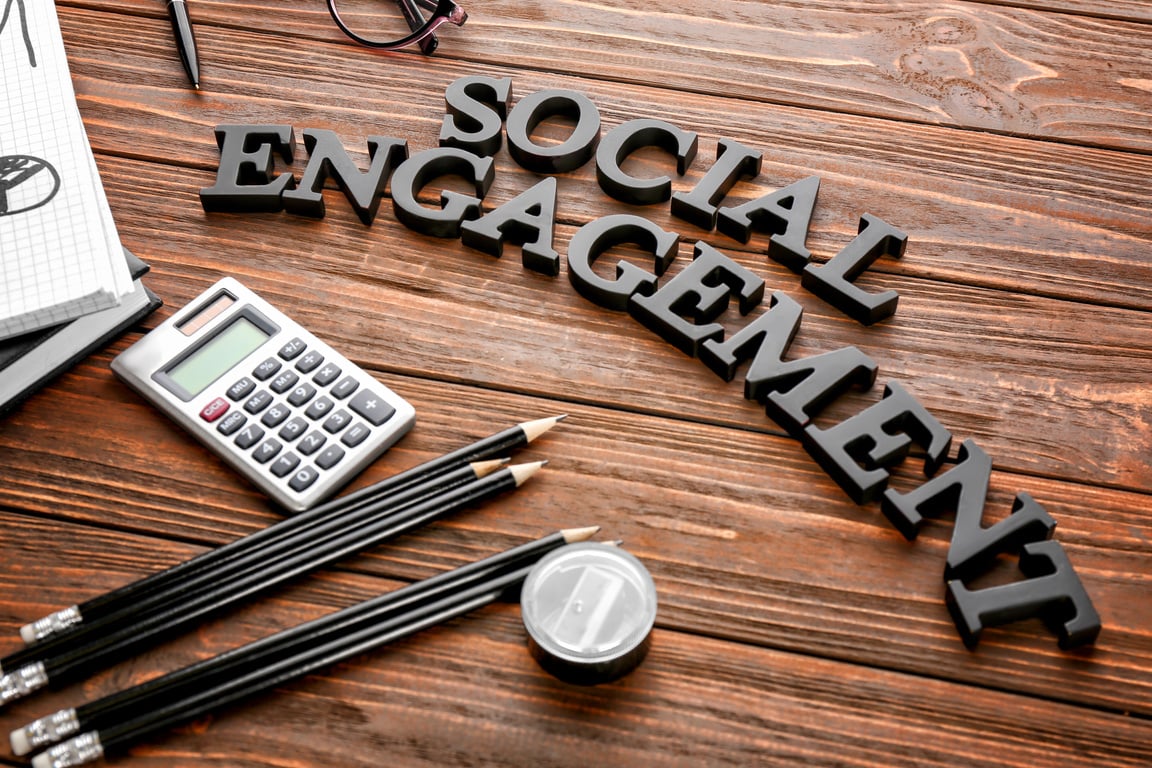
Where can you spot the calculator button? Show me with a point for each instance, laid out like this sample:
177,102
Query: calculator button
337,421
328,458
241,388
249,436
275,415
214,410
284,382
266,451
303,478
346,387
258,402
292,349
293,429
231,423
309,362
356,435
320,407
372,407
311,443
284,464
267,369
301,394
326,375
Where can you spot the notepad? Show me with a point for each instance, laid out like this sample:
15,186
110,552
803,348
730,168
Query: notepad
60,255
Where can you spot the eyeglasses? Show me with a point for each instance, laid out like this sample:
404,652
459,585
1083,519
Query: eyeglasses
395,24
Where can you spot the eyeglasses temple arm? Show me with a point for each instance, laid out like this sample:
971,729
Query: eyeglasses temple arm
415,19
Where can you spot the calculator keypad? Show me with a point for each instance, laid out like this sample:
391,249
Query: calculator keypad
279,405
307,418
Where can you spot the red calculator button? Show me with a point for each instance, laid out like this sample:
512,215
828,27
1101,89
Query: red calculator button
214,410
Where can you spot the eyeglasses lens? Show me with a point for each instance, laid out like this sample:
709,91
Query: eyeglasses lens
385,20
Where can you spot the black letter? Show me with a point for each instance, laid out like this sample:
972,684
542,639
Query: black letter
599,235
700,291
964,488
417,171
877,437
833,281
244,178
476,107
1052,591
528,219
785,214
626,138
566,156
734,161
793,392
328,157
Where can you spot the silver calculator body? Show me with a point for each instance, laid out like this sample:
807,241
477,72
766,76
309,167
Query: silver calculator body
287,411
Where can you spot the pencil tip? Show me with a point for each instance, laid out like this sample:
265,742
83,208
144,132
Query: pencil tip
533,429
573,535
485,468
521,472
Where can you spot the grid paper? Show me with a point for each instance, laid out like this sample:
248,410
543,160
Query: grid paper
60,256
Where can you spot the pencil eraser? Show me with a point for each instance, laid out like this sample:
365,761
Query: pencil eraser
28,634
20,744
589,609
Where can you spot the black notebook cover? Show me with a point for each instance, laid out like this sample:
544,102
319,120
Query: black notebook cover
30,361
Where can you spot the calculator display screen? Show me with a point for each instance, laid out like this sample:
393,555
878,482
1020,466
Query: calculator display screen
212,360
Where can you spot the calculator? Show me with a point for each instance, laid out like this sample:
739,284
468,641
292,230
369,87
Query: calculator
287,411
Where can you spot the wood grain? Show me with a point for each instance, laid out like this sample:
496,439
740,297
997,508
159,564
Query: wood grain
976,66
1009,140
695,699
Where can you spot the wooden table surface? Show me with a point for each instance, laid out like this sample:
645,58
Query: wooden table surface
1010,141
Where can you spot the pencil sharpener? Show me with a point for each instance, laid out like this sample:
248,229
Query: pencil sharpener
589,609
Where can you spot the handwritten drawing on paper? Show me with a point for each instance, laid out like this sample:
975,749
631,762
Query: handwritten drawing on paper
60,255
23,26
26,183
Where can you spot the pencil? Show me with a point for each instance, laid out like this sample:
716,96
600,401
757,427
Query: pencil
238,559
317,645
129,703
76,663
494,445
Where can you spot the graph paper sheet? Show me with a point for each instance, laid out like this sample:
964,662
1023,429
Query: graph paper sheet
60,256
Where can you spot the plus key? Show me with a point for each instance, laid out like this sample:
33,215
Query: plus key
372,407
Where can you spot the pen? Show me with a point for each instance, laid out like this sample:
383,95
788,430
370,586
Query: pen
185,40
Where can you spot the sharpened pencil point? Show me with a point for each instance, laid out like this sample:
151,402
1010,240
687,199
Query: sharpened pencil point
573,535
485,468
521,472
533,429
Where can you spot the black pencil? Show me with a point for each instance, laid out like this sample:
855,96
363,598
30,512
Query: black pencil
76,663
91,745
500,443
242,561
239,560
145,697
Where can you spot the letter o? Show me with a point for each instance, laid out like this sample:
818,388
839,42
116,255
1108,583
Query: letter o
569,155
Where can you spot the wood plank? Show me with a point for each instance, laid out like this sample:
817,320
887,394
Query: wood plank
1005,214
1009,140
747,537
979,360
694,699
993,68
